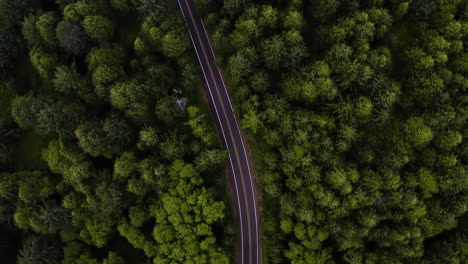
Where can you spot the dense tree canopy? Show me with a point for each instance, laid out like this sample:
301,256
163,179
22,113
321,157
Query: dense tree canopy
356,112
106,156
358,115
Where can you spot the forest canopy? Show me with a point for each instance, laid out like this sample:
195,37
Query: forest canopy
357,113
107,152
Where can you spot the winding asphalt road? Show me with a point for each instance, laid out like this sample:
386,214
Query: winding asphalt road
245,194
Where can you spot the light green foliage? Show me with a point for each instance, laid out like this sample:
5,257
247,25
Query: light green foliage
156,35
134,236
175,43
251,121
106,64
417,132
141,47
294,20
125,166
148,138
428,182
112,55
338,181
318,85
449,139
99,231
356,115
77,11
199,124
273,51
34,186
401,9
69,161
98,28
46,27
138,215
104,74
268,17
133,98
44,62
186,210
113,258
363,107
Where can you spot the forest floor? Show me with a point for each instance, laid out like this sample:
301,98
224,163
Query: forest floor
5,102
28,153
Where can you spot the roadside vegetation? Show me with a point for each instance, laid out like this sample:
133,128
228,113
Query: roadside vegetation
357,113
107,152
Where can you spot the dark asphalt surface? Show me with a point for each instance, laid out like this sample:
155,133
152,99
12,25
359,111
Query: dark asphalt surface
245,194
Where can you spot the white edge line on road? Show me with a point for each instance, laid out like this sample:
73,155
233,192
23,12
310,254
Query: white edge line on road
222,131
242,140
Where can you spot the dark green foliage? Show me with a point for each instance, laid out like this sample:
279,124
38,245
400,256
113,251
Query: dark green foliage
234,5
121,5
66,79
47,117
11,10
8,51
172,147
54,217
8,135
168,109
450,247
146,7
85,159
6,212
25,110
30,32
105,138
38,250
72,37
210,158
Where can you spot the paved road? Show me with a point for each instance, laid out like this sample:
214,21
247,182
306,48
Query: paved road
245,194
